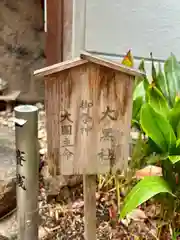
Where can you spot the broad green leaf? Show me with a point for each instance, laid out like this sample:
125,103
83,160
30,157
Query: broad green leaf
162,84
139,79
174,115
172,74
137,103
135,123
139,91
174,158
178,143
142,79
157,128
143,191
157,100
178,130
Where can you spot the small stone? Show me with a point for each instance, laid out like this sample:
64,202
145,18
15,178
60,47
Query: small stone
55,184
11,119
42,144
10,124
78,204
41,134
45,172
5,123
3,84
43,151
9,114
40,106
42,232
3,113
42,113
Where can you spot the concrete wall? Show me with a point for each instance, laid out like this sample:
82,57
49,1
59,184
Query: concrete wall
114,26
22,46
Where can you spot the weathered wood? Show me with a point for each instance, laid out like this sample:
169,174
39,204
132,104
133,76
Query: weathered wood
59,67
12,96
9,98
88,111
54,41
89,187
111,64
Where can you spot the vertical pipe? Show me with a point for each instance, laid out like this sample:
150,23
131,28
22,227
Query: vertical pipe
45,15
26,134
78,27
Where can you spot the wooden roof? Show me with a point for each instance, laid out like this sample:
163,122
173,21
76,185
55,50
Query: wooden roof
84,58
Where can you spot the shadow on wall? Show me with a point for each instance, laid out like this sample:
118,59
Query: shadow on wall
22,40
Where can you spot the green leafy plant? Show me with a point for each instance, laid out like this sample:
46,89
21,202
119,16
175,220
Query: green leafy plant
156,114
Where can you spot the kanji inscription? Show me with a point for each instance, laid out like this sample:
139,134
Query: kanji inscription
66,129
86,119
20,181
20,157
66,116
66,135
67,154
109,113
107,135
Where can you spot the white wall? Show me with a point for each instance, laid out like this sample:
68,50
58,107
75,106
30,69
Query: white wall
114,26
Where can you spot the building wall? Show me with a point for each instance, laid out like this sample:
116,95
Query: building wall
114,26
22,46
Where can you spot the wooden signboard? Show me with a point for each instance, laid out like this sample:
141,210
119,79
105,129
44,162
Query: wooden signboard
88,105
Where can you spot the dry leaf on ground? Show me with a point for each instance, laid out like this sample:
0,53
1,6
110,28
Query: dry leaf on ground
149,171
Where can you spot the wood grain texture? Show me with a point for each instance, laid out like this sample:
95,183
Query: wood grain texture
111,64
89,190
54,40
88,111
58,67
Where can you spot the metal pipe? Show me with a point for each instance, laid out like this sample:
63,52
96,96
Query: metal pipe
27,171
45,15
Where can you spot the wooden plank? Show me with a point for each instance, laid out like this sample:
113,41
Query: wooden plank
89,188
12,96
85,57
52,100
54,40
88,119
111,64
55,68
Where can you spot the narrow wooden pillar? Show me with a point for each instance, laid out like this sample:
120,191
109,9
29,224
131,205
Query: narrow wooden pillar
54,35
89,188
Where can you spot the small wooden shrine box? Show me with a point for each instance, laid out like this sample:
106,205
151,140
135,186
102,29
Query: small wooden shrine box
88,105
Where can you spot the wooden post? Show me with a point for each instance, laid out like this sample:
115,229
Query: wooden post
88,109
89,188
54,40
